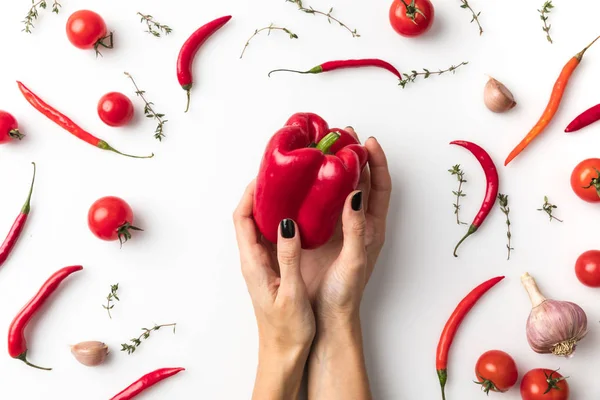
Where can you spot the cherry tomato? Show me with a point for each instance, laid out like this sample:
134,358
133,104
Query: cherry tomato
411,17
9,128
115,109
544,384
110,218
587,268
496,371
585,180
86,30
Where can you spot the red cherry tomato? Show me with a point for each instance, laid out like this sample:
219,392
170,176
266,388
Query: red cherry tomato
115,109
544,384
9,128
496,371
585,180
86,30
587,268
110,218
411,17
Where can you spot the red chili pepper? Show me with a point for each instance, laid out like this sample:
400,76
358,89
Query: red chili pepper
491,192
188,52
17,343
459,314
584,119
64,122
306,173
17,226
333,65
145,382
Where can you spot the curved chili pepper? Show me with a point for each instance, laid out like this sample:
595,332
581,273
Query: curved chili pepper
67,124
188,52
17,226
333,65
491,192
145,382
553,104
584,119
447,337
17,343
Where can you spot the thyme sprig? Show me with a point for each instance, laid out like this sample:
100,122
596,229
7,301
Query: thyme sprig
460,176
33,13
548,208
269,28
465,5
328,15
546,8
112,296
154,27
149,111
137,342
408,78
503,200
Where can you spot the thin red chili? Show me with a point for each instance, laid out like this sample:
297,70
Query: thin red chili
145,382
17,343
584,119
491,192
67,124
333,65
188,52
17,226
463,308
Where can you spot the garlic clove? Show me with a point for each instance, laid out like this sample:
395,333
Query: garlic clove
553,326
497,97
90,354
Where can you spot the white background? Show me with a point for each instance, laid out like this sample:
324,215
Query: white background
184,268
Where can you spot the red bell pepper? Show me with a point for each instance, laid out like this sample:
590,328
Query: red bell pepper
306,174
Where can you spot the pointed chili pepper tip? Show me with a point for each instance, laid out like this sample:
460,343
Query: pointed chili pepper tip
23,357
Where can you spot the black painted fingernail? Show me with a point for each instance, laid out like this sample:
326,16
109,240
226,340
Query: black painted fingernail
288,228
349,127
357,201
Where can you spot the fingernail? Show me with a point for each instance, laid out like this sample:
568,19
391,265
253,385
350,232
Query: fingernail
288,229
372,137
349,127
357,201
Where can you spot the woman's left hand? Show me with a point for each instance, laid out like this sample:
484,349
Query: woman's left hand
286,323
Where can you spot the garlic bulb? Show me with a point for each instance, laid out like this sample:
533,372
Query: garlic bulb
497,97
90,354
553,326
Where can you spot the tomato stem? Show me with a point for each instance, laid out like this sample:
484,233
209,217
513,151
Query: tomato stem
15,134
100,42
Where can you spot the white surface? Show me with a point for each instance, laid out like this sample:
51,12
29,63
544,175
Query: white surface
184,268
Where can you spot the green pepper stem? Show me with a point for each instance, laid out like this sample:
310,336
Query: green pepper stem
315,70
325,144
23,357
443,378
472,230
105,146
27,206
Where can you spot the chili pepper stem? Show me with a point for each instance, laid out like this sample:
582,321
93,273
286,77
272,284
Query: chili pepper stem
27,206
189,95
15,134
579,55
443,378
325,144
23,357
472,230
105,146
316,70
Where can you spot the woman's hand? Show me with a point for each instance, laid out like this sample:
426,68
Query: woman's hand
286,323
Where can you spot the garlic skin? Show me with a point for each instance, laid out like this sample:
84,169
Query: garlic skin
90,354
553,326
497,97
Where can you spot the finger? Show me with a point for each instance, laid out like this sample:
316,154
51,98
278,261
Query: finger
354,227
352,132
288,253
381,181
245,228
365,177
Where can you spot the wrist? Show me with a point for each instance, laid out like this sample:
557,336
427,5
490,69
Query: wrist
280,371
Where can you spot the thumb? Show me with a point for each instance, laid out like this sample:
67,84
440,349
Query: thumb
354,227
288,252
